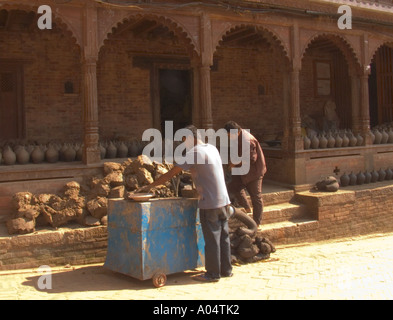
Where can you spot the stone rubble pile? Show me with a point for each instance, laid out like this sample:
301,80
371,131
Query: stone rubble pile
87,204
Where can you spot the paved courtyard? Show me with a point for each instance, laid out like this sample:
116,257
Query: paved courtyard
351,268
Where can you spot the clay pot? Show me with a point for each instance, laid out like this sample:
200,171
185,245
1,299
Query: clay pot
111,151
385,137
372,135
122,150
133,148
69,153
331,141
306,143
378,136
374,176
22,156
62,150
367,176
315,142
102,151
344,180
382,174
339,141
359,139
389,174
52,154
9,156
1,157
79,152
390,134
352,140
352,179
37,156
361,178
345,141
323,141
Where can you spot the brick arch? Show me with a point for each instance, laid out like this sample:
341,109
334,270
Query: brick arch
272,37
179,29
59,19
342,44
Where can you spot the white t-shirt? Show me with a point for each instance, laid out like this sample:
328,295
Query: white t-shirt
205,164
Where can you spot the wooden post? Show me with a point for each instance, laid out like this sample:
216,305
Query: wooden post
91,151
204,73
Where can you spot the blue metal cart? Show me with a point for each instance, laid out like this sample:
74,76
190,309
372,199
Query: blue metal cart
149,240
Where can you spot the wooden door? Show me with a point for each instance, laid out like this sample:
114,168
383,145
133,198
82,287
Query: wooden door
384,64
11,108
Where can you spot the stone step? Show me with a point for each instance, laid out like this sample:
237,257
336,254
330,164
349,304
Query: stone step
294,231
283,212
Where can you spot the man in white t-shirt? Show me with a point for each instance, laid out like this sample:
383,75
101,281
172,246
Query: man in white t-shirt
204,162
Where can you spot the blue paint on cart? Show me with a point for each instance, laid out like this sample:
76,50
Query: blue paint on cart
160,236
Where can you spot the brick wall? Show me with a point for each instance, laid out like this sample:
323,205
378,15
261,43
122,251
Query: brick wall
50,59
248,87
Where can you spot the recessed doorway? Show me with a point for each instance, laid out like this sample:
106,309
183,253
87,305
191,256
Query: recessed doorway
175,98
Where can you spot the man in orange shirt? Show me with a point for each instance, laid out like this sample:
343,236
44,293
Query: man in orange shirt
251,181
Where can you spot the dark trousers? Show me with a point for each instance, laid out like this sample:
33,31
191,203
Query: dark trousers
254,188
217,244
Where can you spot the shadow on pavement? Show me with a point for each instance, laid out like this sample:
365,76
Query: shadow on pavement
98,278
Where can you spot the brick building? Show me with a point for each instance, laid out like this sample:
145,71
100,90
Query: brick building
111,69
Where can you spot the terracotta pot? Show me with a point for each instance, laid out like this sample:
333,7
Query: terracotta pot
102,151
352,179
315,142
352,140
323,141
345,141
361,178
52,154
122,150
385,137
367,176
339,141
69,154
374,176
22,156
389,174
306,143
390,140
79,152
331,141
133,149
111,151
372,135
9,156
359,139
37,156
378,136
382,174
344,180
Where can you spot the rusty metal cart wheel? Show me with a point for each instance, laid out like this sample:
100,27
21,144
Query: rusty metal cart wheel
159,280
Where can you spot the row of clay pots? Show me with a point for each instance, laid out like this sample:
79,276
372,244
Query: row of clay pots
39,153
121,149
54,152
365,177
332,140
381,136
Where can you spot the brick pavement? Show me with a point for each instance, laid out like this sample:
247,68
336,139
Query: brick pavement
351,268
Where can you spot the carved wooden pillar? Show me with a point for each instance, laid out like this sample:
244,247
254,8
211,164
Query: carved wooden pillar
365,106
91,151
295,133
205,97
206,62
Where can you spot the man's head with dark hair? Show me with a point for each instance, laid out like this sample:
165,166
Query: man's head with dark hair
193,130
232,125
